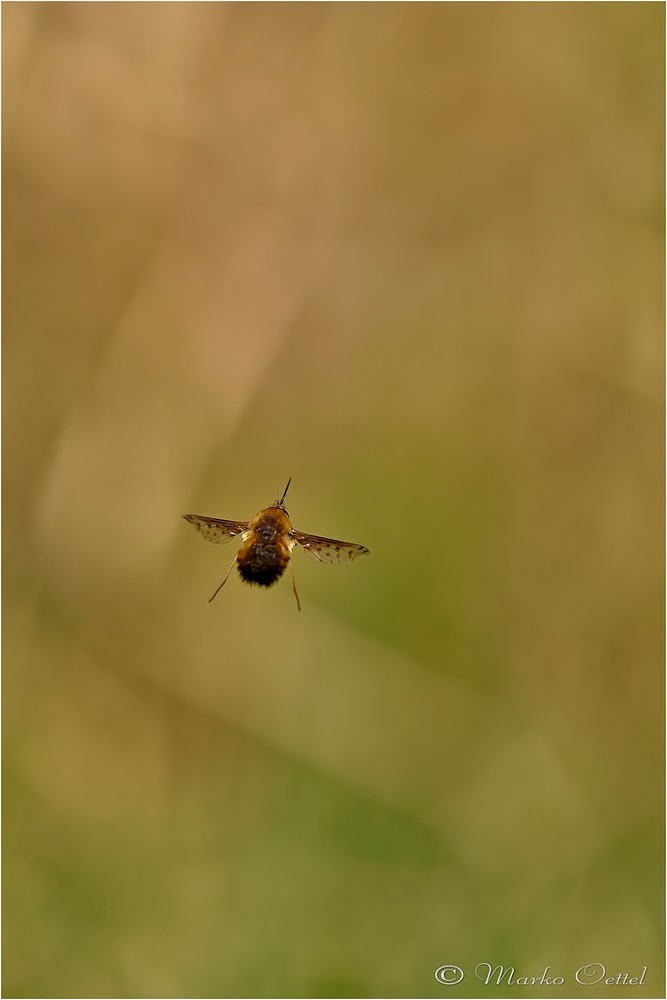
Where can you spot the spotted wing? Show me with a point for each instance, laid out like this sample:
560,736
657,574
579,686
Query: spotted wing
328,550
215,529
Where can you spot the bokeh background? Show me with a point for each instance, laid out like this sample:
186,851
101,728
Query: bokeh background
412,256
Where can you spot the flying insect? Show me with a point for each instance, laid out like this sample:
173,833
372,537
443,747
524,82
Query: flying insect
267,542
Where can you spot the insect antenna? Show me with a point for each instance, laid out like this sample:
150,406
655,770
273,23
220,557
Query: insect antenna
225,580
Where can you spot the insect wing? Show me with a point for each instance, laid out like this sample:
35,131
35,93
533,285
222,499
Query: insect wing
215,529
329,550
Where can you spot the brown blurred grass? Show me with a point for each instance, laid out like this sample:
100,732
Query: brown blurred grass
413,257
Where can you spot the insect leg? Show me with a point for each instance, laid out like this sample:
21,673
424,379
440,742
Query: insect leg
225,580
298,602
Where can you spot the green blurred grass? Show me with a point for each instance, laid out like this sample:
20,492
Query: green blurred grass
412,257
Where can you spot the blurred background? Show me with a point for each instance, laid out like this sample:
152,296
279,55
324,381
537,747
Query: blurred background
412,256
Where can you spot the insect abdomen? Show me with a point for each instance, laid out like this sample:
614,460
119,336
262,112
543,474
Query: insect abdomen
262,564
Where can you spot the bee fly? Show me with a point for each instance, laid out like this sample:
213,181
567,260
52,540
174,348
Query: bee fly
267,543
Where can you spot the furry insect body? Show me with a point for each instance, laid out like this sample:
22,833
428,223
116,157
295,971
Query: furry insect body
267,547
